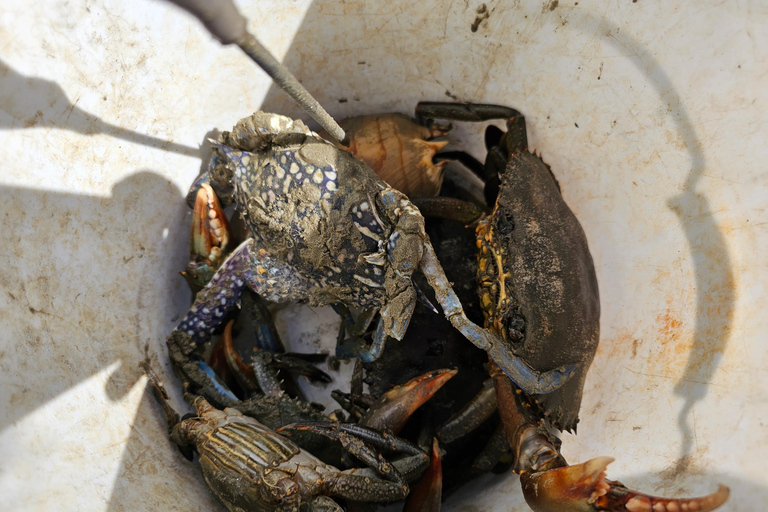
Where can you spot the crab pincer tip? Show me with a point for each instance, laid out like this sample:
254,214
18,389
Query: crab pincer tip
392,410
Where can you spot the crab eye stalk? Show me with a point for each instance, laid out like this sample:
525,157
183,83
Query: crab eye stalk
504,222
516,328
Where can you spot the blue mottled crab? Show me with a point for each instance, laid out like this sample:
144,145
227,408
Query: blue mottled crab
324,230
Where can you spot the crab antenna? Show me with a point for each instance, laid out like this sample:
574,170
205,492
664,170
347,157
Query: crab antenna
225,23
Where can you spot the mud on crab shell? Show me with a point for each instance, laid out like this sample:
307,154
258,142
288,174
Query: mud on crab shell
325,229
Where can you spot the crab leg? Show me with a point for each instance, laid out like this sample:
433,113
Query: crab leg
244,267
584,487
471,416
363,485
353,438
531,381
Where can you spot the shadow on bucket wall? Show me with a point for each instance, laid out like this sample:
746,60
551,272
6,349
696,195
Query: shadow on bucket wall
64,246
63,325
29,102
713,271
66,325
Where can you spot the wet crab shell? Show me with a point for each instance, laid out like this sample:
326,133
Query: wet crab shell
293,200
549,279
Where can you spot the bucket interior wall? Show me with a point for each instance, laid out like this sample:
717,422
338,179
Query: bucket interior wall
652,116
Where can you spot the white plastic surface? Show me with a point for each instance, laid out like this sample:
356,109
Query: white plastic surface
653,116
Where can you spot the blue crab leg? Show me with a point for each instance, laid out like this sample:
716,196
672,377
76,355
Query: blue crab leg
531,381
219,296
246,266
355,346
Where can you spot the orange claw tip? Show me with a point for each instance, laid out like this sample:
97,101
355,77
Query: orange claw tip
210,227
392,410
568,488
426,495
244,373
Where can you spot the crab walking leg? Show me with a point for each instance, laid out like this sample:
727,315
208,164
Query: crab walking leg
471,416
364,485
211,306
355,346
218,297
246,266
353,439
531,381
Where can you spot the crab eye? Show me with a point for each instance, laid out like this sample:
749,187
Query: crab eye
516,328
504,222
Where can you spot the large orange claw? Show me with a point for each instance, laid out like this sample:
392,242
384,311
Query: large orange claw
209,238
393,408
583,488
210,227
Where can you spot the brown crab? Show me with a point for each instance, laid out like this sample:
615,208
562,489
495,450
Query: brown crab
538,290
249,467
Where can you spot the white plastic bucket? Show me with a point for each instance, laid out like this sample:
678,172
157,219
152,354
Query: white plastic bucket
652,115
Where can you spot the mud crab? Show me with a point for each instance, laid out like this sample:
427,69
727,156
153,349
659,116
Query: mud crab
324,230
248,466
538,290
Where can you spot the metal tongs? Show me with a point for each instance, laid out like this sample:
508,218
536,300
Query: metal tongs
225,23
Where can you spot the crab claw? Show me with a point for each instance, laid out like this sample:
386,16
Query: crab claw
427,494
583,488
242,373
209,238
392,410
568,488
